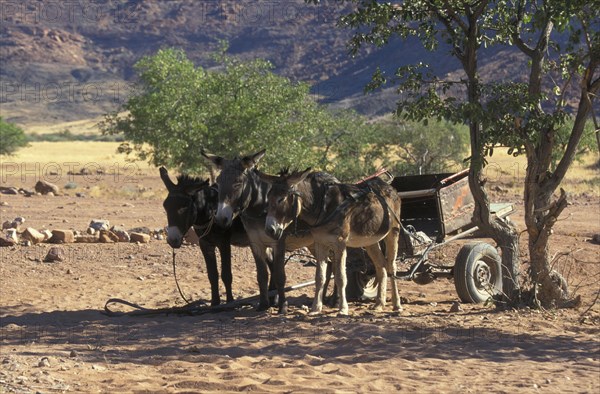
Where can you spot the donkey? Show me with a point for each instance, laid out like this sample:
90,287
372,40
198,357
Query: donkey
340,216
243,194
192,203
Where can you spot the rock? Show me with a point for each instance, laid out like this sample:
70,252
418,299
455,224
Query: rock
3,204
55,254
44,362
44,187
120,233
9,190
73,354
596,239
5,242
86,239
19,220
7,224
107,236
27,193
47,234
31,234
99,224
160,237
70,185
139,237
80,195
456,307
142,230
62,237
50,194
12,234
90,231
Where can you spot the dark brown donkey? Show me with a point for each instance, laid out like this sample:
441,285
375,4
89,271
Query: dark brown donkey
192,203
340,216
243,194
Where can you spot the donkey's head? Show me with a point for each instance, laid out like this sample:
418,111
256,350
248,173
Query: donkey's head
284,201
235,188
183,205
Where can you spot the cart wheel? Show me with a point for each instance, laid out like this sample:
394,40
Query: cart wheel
477,272
361,286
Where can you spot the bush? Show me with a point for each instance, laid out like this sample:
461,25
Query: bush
12,137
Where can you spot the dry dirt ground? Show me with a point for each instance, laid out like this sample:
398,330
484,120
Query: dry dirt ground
55,338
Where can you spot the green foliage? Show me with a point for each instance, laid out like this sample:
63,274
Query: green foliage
12,137
509,113
424,148
588,143
359,148
239,108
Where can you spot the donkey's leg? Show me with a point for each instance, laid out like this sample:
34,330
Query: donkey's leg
340,279
262,274
374,252
273,299
391,251
226,274
321,252
279,274
208,251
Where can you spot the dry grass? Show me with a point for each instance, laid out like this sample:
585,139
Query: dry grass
81,152
509,172
85,126
109,174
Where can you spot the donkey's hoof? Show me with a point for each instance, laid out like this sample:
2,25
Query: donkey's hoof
314,312
398,308
343,312
283,309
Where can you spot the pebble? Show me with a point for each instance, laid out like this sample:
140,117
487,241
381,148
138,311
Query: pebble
73,354
44,362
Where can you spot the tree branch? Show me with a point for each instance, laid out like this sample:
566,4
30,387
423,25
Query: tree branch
589,90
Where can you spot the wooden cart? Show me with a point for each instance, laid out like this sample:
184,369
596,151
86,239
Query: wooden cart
436,209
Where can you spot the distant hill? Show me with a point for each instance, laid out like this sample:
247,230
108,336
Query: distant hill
63,61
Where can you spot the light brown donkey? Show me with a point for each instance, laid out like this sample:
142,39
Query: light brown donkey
340,216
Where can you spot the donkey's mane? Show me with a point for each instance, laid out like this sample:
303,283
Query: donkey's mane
188,180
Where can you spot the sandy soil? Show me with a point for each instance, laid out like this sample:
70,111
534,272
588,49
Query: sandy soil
55,338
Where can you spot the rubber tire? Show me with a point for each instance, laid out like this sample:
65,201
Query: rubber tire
361,286
472,257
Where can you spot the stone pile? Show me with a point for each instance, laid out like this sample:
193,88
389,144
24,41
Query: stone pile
98,231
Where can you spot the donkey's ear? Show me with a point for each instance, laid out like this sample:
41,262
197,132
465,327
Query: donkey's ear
164,175
251,161
266,177
297,177
218,161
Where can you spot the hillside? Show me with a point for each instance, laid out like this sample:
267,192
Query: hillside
66,61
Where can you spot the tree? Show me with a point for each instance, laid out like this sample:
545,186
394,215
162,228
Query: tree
509,113
238,107
12,137
458,24
422,148
537,123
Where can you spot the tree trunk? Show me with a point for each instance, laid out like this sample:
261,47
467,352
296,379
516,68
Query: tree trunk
503,233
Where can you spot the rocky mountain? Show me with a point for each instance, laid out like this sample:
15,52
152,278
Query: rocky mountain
70,60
